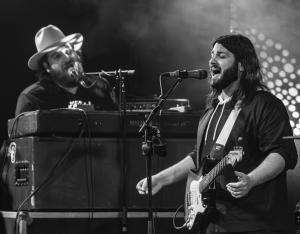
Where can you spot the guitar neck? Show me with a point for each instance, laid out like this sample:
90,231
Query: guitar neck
209,177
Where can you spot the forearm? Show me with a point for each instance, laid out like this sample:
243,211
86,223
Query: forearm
176,172
271,167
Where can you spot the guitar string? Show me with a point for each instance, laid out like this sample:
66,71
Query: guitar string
207,179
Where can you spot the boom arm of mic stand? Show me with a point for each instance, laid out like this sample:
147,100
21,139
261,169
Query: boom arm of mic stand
112,73
159,106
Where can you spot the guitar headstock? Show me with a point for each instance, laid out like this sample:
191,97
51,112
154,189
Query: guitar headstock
234,155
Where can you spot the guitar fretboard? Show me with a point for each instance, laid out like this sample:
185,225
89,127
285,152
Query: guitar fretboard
209,177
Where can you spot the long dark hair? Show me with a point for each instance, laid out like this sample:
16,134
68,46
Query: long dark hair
251,77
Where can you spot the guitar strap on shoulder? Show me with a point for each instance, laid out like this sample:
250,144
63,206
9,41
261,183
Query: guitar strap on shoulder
200,132
221,141
226,130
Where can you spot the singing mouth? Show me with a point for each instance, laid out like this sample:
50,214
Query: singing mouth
215,70
69,64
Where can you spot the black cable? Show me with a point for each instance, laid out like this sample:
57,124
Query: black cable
14,126
5,165
3,155
50,176
13,133
174,219
89,168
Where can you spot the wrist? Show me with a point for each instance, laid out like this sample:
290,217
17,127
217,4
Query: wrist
252,180
161,178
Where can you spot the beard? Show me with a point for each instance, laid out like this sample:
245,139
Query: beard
229,75
63,79
61,76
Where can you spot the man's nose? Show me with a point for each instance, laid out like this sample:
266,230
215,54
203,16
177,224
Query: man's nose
69,53
212,60
66,52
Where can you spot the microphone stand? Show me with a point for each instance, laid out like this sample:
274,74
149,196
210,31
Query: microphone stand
147,149
120,78
122,110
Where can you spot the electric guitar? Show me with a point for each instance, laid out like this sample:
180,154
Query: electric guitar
197,209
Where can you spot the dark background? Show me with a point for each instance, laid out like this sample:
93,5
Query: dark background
149,36
154,37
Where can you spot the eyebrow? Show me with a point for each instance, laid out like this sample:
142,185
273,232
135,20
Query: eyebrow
53,53
219,52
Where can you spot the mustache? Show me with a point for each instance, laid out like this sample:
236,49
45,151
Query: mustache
71,63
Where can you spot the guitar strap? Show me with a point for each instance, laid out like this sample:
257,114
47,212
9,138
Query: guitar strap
200,133
226,130
218,146
223,136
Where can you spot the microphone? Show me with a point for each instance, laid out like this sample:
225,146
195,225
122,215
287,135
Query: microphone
77,73
72,72
117,72
199,74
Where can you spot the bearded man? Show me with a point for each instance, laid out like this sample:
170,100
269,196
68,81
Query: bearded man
58,67
243,125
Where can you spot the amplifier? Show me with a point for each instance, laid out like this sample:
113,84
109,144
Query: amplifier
69,173
87,174
148,104
100,123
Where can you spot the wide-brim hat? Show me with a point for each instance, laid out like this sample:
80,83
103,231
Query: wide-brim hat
50,38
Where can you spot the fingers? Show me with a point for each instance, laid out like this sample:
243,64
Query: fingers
240,188
142,187
235,191
237,194
235,185
143,192
243,178
240,175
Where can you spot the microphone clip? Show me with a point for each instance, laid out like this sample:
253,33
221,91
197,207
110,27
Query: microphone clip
157,145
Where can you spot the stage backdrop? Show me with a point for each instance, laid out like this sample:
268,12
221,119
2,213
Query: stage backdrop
149,36
154,37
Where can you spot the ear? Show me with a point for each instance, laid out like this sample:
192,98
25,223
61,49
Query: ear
240,67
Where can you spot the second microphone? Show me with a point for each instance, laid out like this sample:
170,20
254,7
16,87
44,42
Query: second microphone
199,74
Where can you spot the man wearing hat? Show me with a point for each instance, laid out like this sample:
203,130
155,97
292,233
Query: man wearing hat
58,66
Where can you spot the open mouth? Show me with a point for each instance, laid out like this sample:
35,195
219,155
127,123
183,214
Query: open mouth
69,64
215,71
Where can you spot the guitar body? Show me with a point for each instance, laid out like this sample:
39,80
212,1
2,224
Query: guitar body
200,193
199,199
